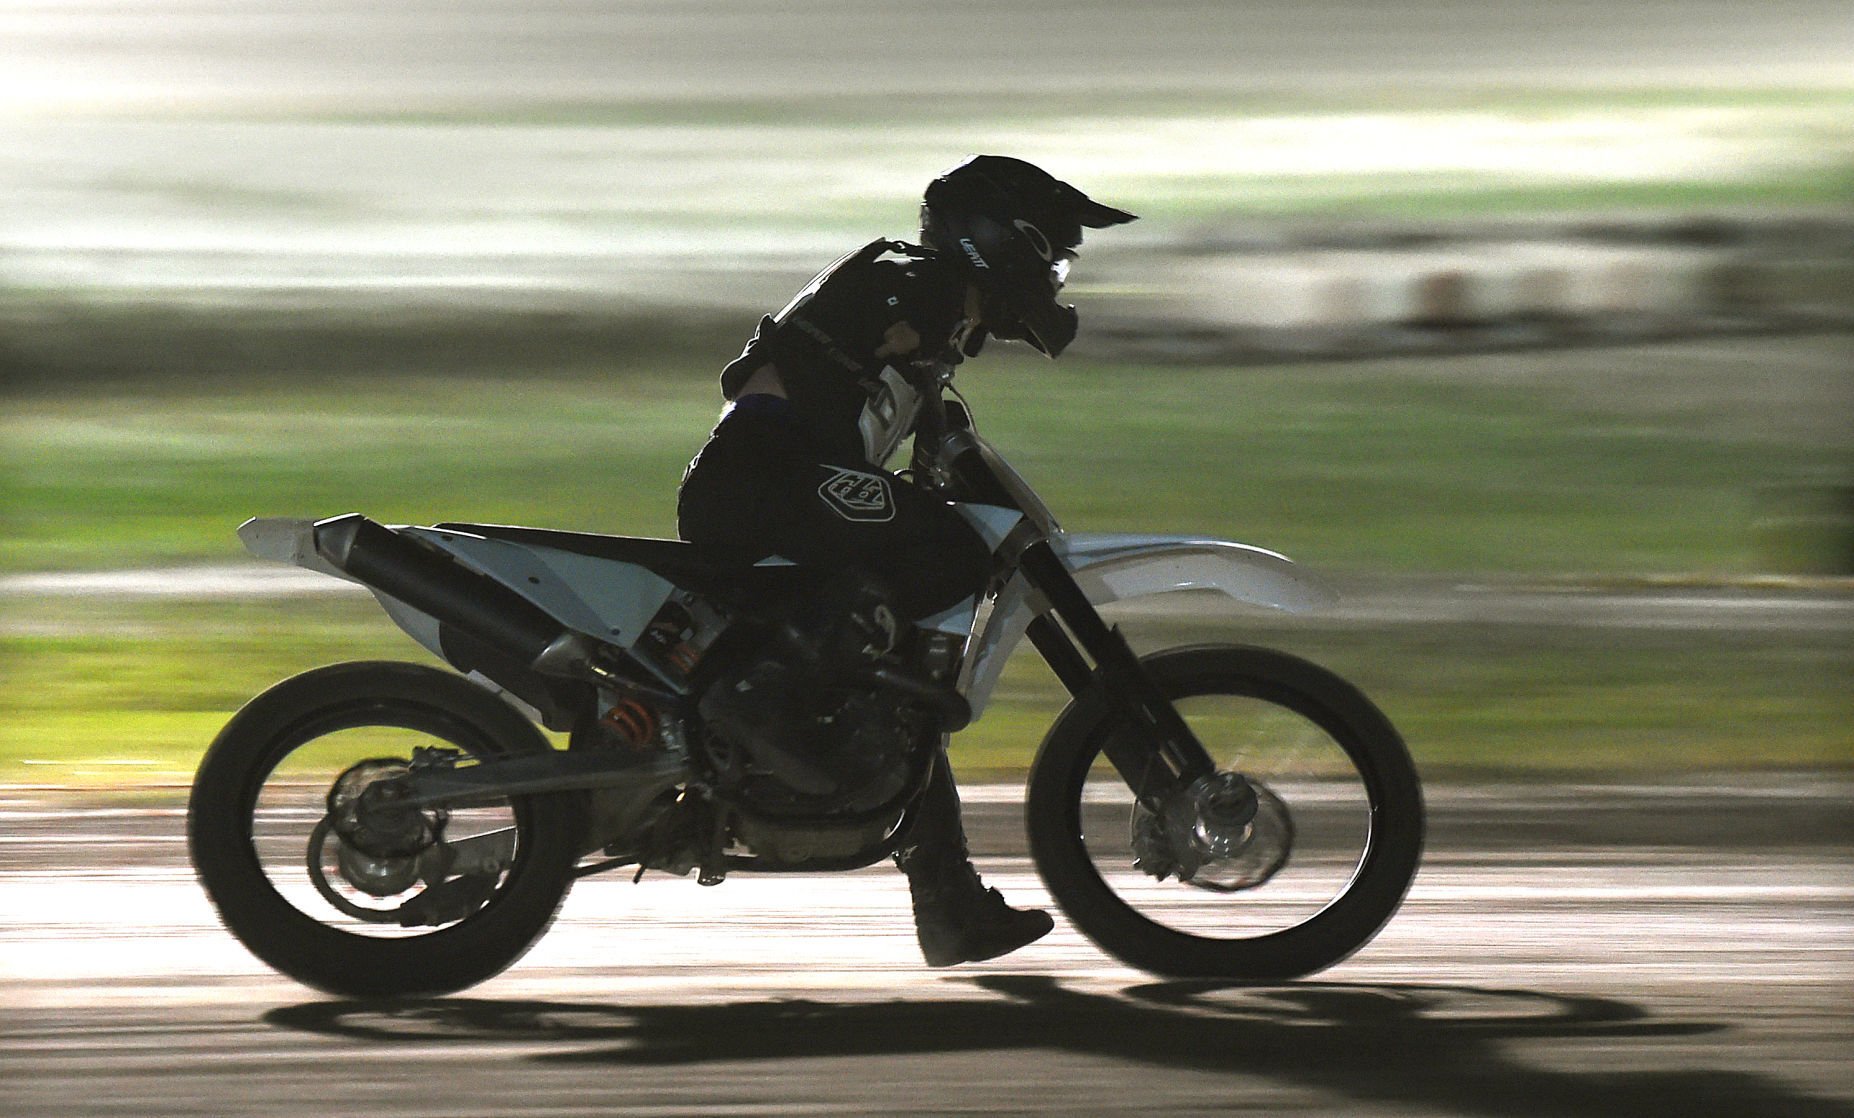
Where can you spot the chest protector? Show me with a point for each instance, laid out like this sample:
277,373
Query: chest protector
824,345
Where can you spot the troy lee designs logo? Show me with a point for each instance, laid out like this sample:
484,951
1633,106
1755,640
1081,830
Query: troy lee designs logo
858,496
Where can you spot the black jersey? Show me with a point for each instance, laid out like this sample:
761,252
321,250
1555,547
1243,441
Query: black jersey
824,345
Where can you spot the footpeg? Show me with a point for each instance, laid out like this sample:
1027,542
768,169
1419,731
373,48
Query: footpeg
955,713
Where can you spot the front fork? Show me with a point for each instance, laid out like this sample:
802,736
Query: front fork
1162,757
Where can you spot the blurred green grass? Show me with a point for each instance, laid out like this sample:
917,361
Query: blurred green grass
1537,465
130,694
1470,465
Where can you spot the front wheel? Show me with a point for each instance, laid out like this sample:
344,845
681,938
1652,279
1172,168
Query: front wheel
438,899
1314,873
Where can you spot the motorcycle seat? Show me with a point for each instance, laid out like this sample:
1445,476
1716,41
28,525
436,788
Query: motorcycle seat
705,568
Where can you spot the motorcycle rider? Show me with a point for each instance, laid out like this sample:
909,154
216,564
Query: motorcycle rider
817,403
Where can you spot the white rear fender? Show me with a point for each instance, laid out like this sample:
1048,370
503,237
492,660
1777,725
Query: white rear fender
287,539
1119,568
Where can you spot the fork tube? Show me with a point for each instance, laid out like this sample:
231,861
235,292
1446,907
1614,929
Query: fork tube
1061,654
1136,763
1116,666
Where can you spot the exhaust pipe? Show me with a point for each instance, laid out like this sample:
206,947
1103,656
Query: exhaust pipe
436,585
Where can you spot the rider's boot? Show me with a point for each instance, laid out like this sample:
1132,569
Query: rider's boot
956,917
959,920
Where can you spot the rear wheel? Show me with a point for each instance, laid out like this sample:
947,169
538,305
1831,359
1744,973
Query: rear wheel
439,900
1308,878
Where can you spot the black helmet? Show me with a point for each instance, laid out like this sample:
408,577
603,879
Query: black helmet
1013,228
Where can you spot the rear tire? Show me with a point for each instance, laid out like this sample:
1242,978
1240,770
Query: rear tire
301,719
1279,927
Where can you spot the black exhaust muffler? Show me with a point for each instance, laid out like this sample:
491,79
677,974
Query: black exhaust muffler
435,584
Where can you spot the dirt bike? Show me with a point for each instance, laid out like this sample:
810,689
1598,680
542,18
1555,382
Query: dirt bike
383,829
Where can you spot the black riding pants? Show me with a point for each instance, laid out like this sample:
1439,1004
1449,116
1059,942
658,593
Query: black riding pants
763,485
760,484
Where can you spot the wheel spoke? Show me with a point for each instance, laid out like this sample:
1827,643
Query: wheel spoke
344,900
347,888
1198,884
1318,832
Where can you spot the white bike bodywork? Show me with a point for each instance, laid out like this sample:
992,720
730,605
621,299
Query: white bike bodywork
1123,568
613,600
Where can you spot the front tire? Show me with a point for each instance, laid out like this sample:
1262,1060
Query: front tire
252,828
1339,790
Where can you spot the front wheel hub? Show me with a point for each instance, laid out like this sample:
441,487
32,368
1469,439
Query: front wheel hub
1224,805
1223,833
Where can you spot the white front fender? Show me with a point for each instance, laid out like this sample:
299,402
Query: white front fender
1118,568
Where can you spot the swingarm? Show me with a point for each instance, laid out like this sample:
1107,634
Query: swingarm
436,780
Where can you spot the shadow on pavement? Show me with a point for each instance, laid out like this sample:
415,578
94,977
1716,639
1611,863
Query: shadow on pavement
1429,1046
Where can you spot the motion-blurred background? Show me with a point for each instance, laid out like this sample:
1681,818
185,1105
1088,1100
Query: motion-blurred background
1527,323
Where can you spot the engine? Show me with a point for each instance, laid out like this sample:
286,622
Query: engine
875,742
869,739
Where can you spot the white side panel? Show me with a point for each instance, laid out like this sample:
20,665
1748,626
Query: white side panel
998,632
623,595
421,627
992,522
956,619
607,598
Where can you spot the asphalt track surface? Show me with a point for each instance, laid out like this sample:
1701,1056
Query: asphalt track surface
1566,950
